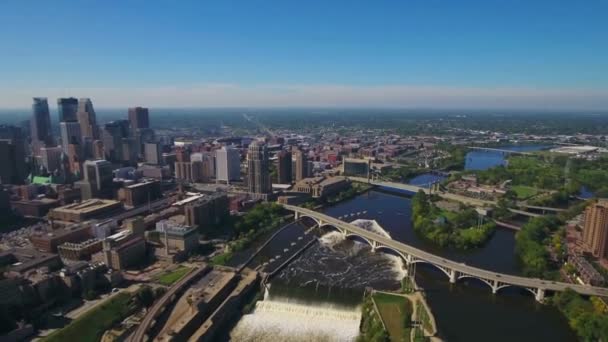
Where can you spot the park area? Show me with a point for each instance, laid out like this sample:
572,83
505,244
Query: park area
169,277
396,312
92,325
524,192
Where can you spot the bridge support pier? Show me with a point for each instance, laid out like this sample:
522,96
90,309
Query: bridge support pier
453,276
495,287
540,295
296,215
374,245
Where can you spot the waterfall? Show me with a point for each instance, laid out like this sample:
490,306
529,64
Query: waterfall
283,320
317,287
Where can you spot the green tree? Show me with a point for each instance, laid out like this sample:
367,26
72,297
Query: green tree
145,296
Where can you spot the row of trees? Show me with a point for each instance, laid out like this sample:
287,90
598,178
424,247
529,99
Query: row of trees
260,219
530,246
587,317
459,230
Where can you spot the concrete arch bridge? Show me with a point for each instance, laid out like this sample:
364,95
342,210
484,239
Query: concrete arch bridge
452,269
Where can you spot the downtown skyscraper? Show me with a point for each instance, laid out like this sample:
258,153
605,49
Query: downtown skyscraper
139,118
87,119
258,174
67,109
41,132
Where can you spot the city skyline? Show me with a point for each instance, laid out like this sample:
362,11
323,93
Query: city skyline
472,54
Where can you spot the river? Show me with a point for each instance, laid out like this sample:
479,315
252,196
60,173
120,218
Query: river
317,296
482,160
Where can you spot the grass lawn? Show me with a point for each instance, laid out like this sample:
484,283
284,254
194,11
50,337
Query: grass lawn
168,278
524,192
92,325
396,313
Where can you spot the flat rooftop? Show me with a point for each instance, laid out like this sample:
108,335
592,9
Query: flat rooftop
87,206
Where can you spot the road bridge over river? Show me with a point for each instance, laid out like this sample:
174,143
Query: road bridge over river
454,270
476,202
489,149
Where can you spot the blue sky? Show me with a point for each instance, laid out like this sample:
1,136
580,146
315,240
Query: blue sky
334,53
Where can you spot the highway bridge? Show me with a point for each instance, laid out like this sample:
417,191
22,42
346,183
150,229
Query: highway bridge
476,202
489,149
453,270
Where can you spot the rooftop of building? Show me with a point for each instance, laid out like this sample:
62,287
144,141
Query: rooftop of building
27,258
129,243
87,206
80,245
61,232
141,184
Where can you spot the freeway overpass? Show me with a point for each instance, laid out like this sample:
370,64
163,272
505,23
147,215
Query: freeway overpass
453,270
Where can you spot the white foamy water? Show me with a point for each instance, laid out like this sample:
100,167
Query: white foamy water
372,226
284,321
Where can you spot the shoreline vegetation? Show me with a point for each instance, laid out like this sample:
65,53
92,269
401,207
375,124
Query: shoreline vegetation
267,217
448,229
260,220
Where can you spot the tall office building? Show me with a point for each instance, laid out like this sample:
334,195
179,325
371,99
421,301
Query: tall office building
13,135
284,164
50,158
113,134
68,109
301,165
152,153
98,179
41,124
228,164
87,119
142,137
258,173
595,231
70,134
139,118
9,173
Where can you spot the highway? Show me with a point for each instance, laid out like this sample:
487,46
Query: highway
409,252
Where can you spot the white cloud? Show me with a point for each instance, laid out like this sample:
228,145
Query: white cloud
323,95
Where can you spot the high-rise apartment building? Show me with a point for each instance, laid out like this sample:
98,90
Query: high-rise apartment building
208,211
595,231
301,163
68,109
284,164
258,173
139,118
41,124
228,164
207,160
